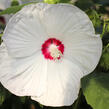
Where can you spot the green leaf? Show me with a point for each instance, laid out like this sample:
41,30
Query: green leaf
14,9
3,94
96,90
56,1
94,17
105,39
23,99
12,102
41,106
1,34
102,1
14,3
104,61
84,4
1,37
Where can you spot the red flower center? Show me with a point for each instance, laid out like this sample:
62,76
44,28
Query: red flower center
52,49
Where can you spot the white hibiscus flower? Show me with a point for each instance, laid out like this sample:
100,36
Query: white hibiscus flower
47,49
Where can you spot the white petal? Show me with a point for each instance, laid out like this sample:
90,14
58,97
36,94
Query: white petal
62,18
23,77
5,60
63,84
24,33
23,40
83,49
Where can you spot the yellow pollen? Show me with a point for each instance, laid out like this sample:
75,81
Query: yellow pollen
54,52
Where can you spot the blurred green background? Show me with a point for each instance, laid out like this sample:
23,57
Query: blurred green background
94,93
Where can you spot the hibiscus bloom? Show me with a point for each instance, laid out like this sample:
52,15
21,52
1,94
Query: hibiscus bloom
46,50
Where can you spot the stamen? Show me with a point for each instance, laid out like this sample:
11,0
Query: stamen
55,53
52,49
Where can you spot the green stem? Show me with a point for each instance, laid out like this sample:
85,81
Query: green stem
104,27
